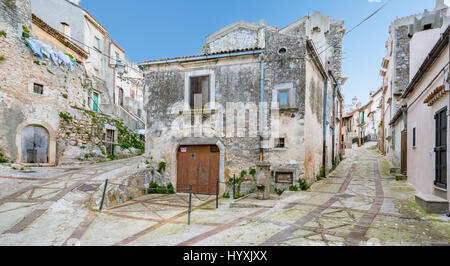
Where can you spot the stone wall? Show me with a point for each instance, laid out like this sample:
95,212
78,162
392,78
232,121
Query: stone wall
63,96
19,70
402,58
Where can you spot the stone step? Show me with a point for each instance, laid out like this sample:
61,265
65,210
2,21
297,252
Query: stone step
432,204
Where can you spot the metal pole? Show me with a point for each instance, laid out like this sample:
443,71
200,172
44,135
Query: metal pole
103,196
234,186
190,204
217,193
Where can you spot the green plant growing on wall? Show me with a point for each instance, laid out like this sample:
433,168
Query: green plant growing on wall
252,172
65,96
236,183
3,159
170,189
293,188
2,33
322,173
127,139
161,167
36,62
49,71
2,58
66,117
303,185
154,188
279,191
243,174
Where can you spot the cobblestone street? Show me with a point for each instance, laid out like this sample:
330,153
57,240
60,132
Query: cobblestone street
358,204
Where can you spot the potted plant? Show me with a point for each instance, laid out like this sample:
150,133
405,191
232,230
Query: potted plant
25,31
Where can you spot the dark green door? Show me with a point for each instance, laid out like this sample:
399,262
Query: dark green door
95,104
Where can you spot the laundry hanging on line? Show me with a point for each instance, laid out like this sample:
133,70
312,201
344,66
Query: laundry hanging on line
58,58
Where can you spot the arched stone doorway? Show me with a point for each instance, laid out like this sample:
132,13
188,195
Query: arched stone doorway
35,143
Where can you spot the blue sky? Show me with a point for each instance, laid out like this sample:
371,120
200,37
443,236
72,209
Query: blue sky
149,29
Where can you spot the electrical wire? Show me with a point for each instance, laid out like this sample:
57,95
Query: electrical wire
107,56
359,24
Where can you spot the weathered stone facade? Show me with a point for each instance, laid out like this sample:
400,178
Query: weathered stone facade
37,93
289,65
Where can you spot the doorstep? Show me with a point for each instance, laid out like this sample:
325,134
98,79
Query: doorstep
432,204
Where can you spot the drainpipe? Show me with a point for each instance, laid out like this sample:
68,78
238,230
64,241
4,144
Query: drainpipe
325,123
261,112
334,124
341,148
382,118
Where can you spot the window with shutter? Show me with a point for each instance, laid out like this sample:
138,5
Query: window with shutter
199,92
441,149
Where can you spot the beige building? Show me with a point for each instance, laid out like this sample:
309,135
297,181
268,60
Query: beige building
427,103
396,72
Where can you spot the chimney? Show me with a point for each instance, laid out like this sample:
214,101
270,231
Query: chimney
76,2
440,4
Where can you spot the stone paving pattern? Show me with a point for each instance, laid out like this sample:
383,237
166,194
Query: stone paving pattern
358,204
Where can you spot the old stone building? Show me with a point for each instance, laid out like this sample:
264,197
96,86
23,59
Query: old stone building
259,96
44,115
117,82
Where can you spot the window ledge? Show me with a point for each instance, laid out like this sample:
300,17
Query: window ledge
198,111
285,109
439,188
280,149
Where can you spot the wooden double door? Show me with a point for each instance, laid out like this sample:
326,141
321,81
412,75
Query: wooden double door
198,166
441,149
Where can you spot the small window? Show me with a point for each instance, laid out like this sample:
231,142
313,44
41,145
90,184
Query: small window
95,101
117,58
65,29
427,27
414,137
199,92
283,98
393,139
97,43
282,51
280,143
37,88
284,178
120,96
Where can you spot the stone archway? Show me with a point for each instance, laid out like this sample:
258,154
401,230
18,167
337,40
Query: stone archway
34,148
35,143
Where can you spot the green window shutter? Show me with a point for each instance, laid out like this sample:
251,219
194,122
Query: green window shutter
362,119
393,139
95,104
